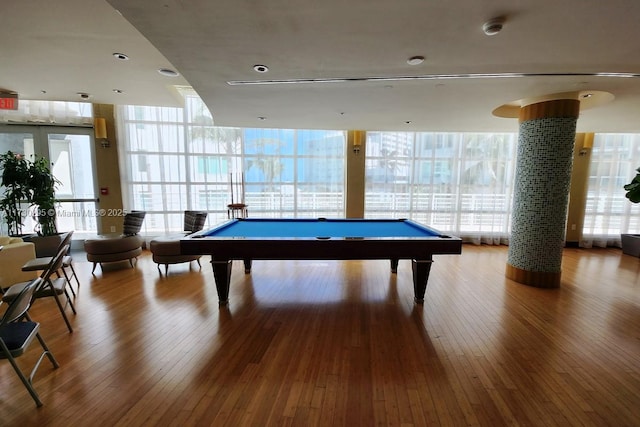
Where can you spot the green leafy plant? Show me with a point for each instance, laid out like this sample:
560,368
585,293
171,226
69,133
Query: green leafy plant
15,180
633,188
42,186
28,184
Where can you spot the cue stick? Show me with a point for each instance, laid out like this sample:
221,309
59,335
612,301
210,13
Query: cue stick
231,177
242,187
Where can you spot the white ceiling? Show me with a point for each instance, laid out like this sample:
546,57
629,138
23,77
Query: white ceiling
66,47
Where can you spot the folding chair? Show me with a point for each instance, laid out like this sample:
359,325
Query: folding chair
67,262
50,287
17,330
41,262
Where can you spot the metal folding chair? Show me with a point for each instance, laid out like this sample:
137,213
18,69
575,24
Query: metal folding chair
42,262
50,287
17,331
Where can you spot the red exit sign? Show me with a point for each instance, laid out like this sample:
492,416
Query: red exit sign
8,102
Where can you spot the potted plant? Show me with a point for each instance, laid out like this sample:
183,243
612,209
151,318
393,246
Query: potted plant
631,242
15,180
42,187
28,184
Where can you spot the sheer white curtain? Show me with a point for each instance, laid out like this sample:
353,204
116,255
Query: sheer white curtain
461,183
50,112
614,160
174,159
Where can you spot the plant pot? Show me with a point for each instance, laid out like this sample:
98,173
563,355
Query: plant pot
45,245
631,244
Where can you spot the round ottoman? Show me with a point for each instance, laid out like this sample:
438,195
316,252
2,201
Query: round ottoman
166,250
111,248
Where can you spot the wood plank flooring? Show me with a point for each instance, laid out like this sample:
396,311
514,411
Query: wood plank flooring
341,343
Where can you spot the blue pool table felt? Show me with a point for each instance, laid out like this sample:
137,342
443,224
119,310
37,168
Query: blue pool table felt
313,228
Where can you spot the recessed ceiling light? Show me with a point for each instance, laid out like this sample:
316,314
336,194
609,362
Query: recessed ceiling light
587,95
168,72
84,95
121,56
415,60
493,26
118,91
261,68
262,118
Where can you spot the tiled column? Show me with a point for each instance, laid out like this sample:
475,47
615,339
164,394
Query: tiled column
543,175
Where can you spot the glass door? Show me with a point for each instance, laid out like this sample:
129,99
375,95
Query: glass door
70,151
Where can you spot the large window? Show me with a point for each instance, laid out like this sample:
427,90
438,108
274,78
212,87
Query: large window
175,159
456,182
608,213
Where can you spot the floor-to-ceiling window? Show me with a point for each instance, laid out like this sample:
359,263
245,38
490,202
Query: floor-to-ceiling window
614,160
456,182
175,159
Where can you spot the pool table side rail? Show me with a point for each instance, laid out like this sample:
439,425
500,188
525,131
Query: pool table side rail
330,249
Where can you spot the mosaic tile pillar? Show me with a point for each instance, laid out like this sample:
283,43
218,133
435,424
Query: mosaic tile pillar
543,176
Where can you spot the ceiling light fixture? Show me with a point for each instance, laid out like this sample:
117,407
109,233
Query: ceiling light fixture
415,60
260,68
121,56
493,26
168,72
118,91
84,95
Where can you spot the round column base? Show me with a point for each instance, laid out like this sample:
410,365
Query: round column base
538,279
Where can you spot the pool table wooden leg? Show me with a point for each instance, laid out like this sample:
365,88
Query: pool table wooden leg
421,269
222,276
247,266
394,265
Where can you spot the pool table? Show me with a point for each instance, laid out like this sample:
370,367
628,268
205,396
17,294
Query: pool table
323,239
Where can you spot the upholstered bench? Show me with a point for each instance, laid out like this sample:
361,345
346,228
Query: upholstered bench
111,248
117,247
166,250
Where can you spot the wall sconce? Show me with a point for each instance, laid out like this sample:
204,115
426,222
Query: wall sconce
587,144
357,141
100,130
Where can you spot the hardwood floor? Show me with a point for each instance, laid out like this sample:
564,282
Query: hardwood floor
341,343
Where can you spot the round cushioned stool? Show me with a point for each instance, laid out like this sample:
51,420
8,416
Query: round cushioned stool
166,250
111,248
